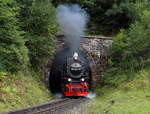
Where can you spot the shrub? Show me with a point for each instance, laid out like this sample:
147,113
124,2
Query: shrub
13,53
39,23
130,49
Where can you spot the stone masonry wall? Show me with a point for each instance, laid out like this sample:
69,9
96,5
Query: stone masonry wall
97,52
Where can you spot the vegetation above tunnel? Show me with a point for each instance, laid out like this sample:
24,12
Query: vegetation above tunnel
108,16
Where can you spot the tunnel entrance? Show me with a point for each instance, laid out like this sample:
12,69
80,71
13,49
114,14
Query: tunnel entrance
59,70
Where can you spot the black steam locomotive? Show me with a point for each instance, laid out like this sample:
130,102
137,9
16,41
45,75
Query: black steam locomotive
70,73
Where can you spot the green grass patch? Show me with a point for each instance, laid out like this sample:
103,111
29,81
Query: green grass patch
132,97
22,90
121,102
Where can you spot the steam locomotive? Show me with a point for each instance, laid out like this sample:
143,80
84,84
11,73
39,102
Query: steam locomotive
70,73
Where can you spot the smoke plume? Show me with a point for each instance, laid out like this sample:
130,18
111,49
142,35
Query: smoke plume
72,20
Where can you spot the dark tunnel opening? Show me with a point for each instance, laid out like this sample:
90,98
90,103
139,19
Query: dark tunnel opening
57,69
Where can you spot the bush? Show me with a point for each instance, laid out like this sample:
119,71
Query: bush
13,53
39,23
130,49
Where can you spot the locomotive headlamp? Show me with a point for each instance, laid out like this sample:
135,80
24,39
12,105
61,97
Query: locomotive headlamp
69,79
82,79
75,56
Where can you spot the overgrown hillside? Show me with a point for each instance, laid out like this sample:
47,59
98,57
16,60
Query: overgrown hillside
131,47
22,90
27,29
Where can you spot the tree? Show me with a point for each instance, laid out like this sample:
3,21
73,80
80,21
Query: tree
131,47
13,53
106,16
38,22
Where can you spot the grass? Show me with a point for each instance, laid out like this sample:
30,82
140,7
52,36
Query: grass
120,102
131,97
21,90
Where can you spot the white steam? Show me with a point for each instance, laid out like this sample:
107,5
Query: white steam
72,20
58,95
91,95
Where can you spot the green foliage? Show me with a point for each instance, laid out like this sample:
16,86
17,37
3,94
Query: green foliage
38,21
109,16
130,49
3,75
22,90
119,44
106,16
139,35
27,29
132,46
13,53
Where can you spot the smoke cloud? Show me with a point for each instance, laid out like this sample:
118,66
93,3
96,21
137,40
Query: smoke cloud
72,20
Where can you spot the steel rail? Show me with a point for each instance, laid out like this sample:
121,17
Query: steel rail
50,107
62,107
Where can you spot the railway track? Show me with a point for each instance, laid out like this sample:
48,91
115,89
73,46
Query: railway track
57,107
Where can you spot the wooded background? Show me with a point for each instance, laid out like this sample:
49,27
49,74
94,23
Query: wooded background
27,29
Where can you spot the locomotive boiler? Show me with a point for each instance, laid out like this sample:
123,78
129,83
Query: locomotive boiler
70,73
